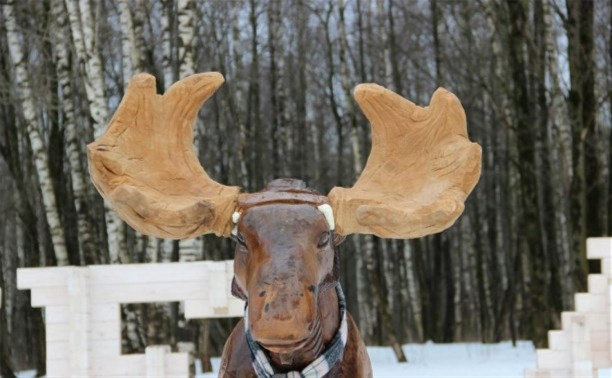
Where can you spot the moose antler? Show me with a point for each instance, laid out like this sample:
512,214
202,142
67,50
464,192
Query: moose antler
421,168
145,165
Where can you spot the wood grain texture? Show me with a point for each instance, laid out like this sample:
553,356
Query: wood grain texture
421,168
145,164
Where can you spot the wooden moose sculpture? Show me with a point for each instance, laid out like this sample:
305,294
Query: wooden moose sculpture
421,168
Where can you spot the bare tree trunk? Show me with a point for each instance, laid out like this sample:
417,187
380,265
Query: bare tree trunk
186,65
276,25
130,60
276,93
79,190
393,50
41,160
300,141
204,343
6,369
584,75
546,185
579,59
365,243
139,19
346,86
253,111
166,33
413,290
560,158
236,99
435,20
86,47
185,14
539,301
384,66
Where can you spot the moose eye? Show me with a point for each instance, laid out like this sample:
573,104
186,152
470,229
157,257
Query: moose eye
238,238
324,239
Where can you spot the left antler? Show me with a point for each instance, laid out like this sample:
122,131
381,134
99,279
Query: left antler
146,167
421,168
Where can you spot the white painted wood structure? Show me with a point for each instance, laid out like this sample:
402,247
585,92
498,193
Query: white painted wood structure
584,344
83,320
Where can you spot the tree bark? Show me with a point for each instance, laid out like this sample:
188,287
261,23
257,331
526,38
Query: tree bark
41,160
277,100
130,59
526,137
579,26
166,43
87,247
86,48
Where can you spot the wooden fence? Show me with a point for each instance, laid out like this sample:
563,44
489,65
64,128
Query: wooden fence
83,320
583,345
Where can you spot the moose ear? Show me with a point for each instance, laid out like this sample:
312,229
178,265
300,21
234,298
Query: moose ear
338,239
237,291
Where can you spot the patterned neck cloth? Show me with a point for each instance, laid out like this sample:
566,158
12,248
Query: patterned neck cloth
317,368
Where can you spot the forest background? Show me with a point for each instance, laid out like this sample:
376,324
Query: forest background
533,76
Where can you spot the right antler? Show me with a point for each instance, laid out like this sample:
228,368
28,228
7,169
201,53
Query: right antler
421,168
146,167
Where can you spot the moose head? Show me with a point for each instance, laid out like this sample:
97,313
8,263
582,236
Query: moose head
421,168
285,257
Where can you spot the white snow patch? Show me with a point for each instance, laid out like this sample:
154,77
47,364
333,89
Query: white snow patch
467,360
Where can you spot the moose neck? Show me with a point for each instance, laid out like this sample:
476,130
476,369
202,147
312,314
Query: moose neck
328,321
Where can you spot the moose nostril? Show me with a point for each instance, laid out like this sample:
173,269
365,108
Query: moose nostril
262,293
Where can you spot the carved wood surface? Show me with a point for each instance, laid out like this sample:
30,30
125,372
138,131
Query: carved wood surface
421,168
146,167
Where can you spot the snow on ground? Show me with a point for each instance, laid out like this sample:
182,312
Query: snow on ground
468,360
464,360
455,360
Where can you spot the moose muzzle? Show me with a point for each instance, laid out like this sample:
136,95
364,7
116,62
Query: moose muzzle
283,314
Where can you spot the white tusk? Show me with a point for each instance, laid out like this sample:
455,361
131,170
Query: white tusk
329,215
235,231
236,217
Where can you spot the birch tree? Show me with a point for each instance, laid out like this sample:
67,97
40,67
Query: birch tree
186,33
166,42
41,161
190,249
73,150
88,55
130,59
